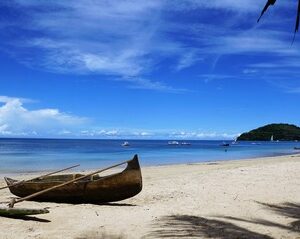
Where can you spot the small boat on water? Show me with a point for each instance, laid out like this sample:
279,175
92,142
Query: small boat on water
125,144
235,141
297,148
185,143
224,144
90,188
173,143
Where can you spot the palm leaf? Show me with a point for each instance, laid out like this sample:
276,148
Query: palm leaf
269,2
272,2
298,16
297,22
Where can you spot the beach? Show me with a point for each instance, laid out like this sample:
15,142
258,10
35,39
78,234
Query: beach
255,198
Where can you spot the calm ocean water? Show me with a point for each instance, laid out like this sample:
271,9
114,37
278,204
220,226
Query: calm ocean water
25,155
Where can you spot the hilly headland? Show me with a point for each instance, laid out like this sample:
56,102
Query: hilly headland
282,132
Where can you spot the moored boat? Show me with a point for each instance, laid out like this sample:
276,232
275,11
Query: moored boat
94,189
125,144
234,141
185,143
173,143
224,144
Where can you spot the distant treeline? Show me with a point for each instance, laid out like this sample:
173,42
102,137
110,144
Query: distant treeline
282,132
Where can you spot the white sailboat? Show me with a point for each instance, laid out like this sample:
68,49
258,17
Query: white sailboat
173,143
234,141
272,138
125,144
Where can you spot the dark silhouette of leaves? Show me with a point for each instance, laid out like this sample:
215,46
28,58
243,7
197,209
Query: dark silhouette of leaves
298,16
269,2
188,226
272,2
287,209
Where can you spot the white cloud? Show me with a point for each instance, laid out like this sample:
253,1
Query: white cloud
124,39
5,99
105,37
291,87
102,133
154,134
249,71
202,135
142,83
129,39
116,133
17,120
187,60
229,5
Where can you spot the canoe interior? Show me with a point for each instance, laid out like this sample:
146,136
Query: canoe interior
95,189
64,178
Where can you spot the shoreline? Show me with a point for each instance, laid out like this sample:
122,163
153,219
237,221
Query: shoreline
26,156
225,160
251,198
35,172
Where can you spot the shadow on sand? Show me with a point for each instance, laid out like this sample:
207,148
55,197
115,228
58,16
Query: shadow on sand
116,204
98,235
288,210
187,226
27,218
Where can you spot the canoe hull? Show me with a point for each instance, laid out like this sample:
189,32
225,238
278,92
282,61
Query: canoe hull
110,188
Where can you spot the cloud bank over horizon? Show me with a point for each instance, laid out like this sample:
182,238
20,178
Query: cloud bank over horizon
18,121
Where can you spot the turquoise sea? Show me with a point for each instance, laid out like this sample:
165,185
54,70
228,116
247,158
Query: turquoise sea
29,155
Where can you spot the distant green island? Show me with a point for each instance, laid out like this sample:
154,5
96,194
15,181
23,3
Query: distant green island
281,132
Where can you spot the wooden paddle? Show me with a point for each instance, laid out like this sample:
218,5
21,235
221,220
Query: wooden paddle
15,200
40,177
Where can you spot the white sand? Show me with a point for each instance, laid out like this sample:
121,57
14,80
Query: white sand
258,198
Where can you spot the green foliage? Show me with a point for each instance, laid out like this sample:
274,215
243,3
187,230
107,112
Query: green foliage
282,132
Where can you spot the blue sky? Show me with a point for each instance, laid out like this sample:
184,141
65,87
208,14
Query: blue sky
182,69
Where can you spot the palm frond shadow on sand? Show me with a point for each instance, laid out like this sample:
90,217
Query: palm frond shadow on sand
224,227
187,226
99,235
27,218
287,209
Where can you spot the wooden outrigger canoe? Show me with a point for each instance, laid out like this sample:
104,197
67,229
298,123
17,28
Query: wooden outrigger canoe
92,189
